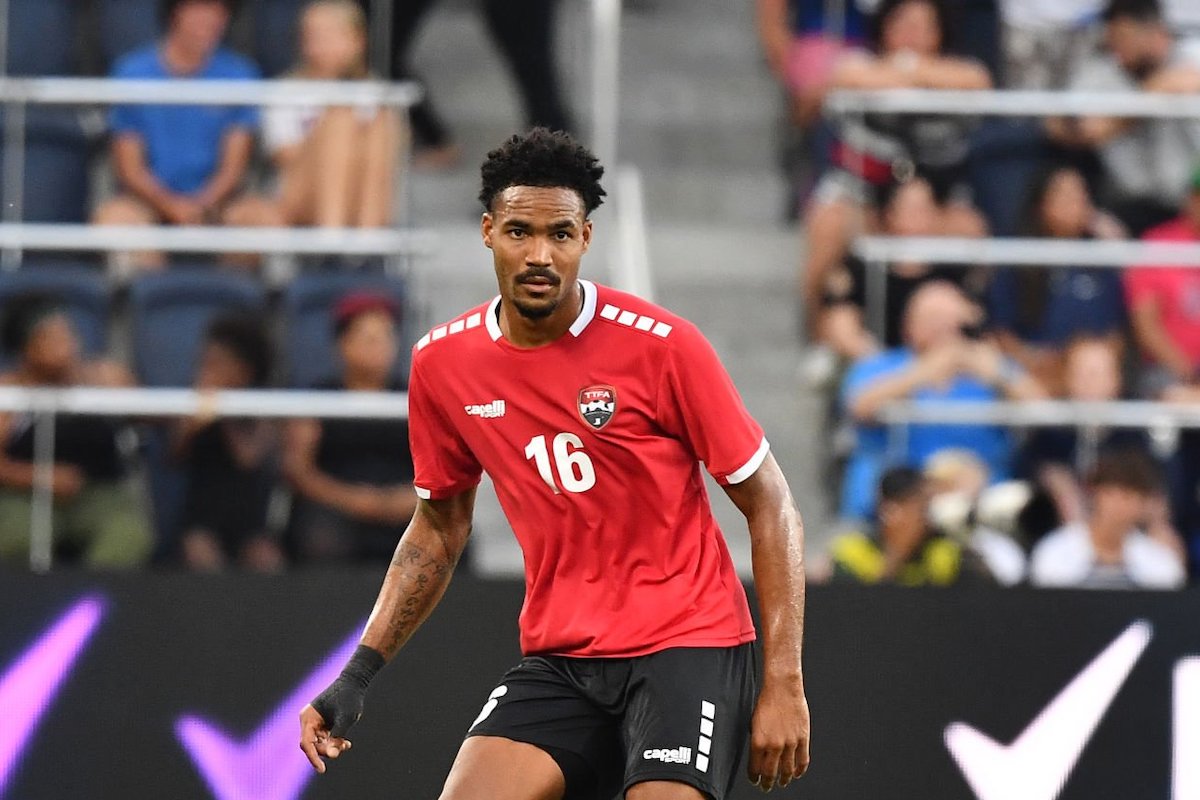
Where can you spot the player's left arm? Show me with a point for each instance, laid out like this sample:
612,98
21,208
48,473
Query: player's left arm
779,729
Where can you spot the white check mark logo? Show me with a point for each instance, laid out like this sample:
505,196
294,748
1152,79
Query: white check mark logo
1036,765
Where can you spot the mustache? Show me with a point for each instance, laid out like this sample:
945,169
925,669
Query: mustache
539,272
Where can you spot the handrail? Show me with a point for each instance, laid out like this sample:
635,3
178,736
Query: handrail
210,239
204,92
156,402
1044,413
1013,103
1027,251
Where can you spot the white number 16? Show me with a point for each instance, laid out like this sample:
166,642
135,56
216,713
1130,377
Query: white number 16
575,469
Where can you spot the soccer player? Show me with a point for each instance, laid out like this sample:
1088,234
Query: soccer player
591,410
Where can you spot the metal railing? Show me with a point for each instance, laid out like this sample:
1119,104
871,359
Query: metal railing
46,405
17,93
877,251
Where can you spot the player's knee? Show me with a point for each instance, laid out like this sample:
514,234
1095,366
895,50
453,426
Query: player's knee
663,790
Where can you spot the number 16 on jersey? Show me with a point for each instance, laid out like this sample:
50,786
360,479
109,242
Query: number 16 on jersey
574,468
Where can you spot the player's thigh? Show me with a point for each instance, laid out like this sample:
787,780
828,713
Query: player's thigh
688,719
495,768
541,703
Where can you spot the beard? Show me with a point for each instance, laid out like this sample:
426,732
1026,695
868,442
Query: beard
1143,68
540,311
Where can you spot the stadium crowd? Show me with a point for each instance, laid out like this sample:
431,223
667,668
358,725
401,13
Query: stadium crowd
1039,505
1053,506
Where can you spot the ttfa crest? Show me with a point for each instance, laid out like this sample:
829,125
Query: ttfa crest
597,404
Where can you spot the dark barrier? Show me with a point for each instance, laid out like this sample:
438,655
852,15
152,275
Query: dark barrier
169,686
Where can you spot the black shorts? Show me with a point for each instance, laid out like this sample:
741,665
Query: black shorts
681,714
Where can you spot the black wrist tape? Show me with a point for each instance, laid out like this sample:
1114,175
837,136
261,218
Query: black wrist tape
341,705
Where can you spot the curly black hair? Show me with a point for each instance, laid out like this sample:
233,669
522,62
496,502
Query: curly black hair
542,158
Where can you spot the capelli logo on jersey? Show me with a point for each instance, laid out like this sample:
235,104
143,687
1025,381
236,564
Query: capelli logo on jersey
679,755
492,410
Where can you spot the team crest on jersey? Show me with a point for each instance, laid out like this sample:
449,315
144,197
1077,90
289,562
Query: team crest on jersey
597,404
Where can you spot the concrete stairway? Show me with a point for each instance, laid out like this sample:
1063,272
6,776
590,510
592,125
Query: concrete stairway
698,117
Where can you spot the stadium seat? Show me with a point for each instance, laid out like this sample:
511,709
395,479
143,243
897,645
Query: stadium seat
169,313
82,291
40,37
55,185
126,25
307,305
275,40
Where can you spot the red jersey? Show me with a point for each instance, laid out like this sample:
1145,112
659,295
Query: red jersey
594,442
1175,290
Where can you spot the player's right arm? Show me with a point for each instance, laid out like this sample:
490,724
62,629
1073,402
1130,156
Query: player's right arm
416,580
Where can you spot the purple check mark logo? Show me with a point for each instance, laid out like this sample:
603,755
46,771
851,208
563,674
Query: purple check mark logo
267,765
29,685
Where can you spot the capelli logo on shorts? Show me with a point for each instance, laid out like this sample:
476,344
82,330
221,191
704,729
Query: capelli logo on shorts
680,755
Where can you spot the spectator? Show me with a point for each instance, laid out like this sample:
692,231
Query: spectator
98,516
958,480
1164,307
184,165
904,549
230,463
802,41
1052,457
938,362
337,165
524,33
1109,550
1035,311
353,478
1147,161
1044,44
909,208
909,42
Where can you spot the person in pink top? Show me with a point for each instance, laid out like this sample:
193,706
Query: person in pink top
1164,309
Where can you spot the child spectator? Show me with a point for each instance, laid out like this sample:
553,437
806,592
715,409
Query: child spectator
1051,457
184,165
338,166
230,463
98,515
352,479
1125,541
1035,311
909,44
903,549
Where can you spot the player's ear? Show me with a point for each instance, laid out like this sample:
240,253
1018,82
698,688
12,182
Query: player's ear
587,234
485,228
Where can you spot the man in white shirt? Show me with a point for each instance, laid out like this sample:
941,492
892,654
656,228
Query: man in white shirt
1147,160
1108,549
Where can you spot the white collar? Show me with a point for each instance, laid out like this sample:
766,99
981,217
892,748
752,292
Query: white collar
586,314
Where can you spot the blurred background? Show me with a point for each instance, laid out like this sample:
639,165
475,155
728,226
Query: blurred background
947,249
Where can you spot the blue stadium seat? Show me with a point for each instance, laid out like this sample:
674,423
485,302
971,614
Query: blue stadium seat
56,166
307,305
275,35
41,37
170,312
82,291
126,25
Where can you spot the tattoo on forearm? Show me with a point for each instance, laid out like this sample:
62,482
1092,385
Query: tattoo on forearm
419,578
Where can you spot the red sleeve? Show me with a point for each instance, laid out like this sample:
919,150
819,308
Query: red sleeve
699,404
443,464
